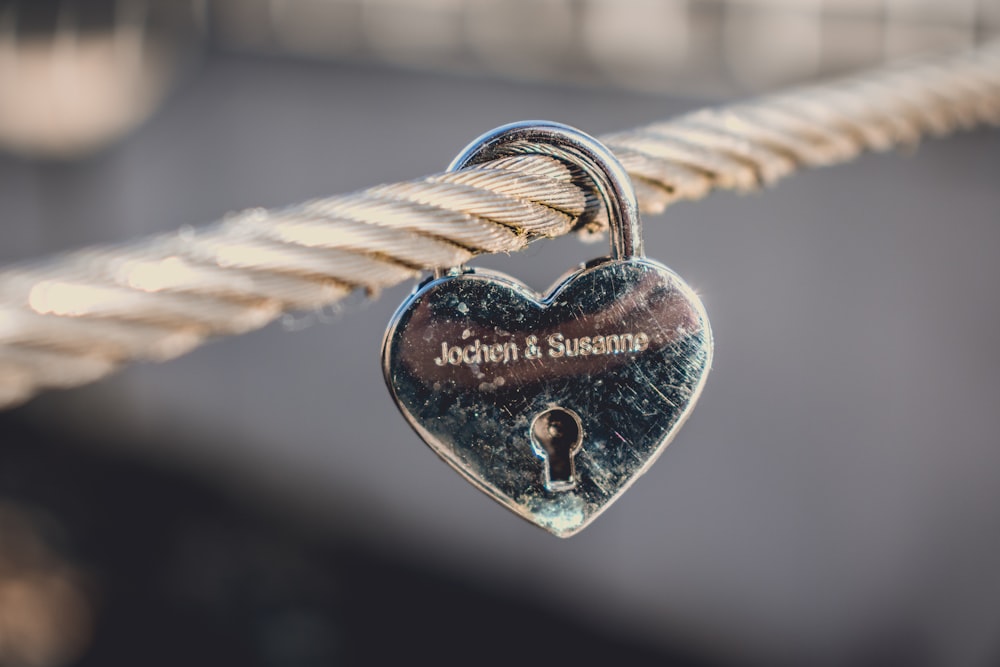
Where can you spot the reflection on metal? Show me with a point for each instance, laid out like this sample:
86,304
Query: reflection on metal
552,405
473,360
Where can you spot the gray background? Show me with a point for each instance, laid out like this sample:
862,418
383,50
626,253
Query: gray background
832,500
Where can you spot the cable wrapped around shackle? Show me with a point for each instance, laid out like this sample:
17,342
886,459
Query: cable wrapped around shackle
74,318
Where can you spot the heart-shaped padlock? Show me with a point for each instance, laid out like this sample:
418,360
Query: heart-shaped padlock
552,405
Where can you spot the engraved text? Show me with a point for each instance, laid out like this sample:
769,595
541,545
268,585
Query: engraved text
553,346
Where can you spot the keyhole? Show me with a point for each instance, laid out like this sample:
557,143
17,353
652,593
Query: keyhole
557,435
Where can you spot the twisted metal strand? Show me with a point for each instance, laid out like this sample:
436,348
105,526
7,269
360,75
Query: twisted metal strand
75,318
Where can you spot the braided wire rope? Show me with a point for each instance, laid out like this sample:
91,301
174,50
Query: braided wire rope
74,318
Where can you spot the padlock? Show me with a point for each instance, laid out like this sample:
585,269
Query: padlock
552,405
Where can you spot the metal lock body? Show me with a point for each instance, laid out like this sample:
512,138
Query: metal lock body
553,405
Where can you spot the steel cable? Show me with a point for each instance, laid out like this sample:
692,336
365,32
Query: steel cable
74,318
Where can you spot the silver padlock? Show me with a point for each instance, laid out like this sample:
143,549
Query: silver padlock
552,405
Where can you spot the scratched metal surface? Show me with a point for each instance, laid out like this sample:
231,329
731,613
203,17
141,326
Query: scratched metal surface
833,498
567,351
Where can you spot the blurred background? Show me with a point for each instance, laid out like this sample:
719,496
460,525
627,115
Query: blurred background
834,499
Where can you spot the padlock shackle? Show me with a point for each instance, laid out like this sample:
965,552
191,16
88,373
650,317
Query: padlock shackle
610,180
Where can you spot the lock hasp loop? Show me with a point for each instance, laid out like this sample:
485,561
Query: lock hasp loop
610,180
